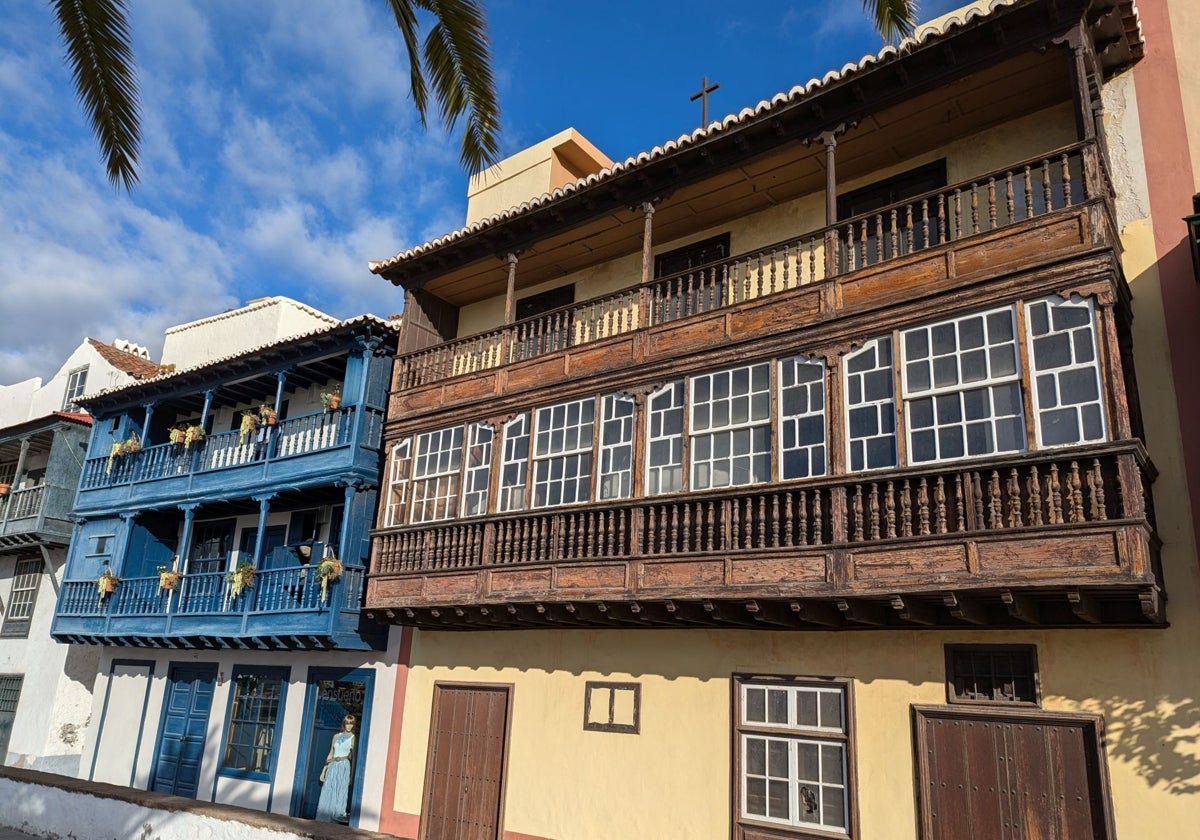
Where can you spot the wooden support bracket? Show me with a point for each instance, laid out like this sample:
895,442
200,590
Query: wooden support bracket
914,611
1084,606
964,608
862,612
817,612
1021,607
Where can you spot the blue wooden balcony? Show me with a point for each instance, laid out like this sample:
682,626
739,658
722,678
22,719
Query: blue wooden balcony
282,609
309,450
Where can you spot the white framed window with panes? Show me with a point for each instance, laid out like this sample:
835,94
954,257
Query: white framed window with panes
76,383
793,765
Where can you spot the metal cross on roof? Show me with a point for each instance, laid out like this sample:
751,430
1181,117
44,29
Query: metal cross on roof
702,95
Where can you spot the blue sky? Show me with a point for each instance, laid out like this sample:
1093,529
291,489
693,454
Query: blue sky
281,151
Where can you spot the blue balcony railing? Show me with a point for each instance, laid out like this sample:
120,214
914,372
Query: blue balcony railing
281,602
296,436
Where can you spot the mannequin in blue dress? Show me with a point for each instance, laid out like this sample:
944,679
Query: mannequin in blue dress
335,775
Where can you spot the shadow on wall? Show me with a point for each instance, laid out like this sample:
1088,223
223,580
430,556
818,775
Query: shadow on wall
82,664
1158,736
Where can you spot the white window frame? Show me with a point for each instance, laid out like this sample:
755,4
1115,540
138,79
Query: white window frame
676,442
582,453
875,404
933,392
1094,365
729,428
795,734
513,493
624,425
441,470
397,501
472,471
76,383
815,386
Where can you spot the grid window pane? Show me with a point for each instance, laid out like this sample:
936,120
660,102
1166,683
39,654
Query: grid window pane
26,577
664,461
76,382
1068,398
478,472
871,407
515,464
802,418
971,405
254,713
616,447
994,675
435,474
562,472
397,501
731,428
797,777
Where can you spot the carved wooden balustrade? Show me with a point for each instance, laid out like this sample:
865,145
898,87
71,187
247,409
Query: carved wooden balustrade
1022,194
1071,526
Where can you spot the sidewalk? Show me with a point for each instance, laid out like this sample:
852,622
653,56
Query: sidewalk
13,834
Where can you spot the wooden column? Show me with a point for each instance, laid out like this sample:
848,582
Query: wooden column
280,383
16,482
264,508
185,539
647,266
146,424
1120,427
204,412
829,138
510,306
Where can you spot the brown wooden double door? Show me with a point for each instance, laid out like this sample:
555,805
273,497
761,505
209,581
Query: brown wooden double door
1010,776
464,776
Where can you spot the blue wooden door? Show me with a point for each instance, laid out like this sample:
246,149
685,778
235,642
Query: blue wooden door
275,536
181,735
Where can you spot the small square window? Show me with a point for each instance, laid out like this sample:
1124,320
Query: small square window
992,674
612,707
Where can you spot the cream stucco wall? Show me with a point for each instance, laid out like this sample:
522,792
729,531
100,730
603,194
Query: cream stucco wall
258,323
1185,32
983,152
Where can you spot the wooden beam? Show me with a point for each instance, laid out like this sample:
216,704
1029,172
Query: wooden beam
816,612
862,612
762,615
914,611
1084,606
965,608
1021,607
1152,606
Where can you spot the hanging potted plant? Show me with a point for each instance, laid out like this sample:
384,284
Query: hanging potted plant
267,415
5,488
177,435
332,400
193,434
106,585
240,579
121,448
168,578
249,425
328,570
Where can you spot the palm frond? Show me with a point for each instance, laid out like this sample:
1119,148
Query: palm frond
406,19
457,59
96,36
894,19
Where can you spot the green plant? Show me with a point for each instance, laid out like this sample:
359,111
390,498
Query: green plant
249,424
106,585
332,400
193,434
168,579
240,579
328,570
267,415
121,448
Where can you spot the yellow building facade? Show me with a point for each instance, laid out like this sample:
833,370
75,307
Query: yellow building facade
903,668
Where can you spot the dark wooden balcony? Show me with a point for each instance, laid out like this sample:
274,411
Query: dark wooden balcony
36,515
1032,213
1057,538
281,610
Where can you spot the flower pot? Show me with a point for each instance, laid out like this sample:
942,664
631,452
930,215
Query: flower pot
110,586
271,421
335,403
5,487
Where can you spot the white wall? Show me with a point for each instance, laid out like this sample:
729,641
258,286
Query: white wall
32,398
124,718
55,702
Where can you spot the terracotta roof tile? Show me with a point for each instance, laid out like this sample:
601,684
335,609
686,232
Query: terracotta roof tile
131,363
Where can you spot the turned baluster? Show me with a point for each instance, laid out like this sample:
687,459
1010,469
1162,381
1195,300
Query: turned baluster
1028,191
956,231
774,520
939,505
1009,203
1034,486
908,228
802,527
873,509
878,237
959,504
906,509
673,532
1047,192
710,527
995,508
774,266
889,506
858,513
748,524
1066,174
1014,499
924,222
977,498
735,524
818,518
652,534
1076,490
695,518
621,532
941,218
974,208
788,517
862,235
894,233
991,203
923,507
1054,496
1096,488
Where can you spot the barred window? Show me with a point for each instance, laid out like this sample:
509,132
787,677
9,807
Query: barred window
793,741
255,711
26,577
992,674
